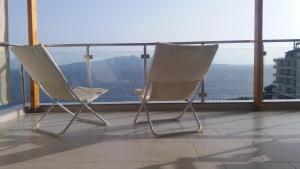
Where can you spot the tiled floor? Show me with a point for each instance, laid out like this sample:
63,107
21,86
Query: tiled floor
231,140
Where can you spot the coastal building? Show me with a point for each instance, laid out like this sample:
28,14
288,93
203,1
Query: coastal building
287,75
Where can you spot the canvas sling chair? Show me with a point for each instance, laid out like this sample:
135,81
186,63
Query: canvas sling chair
41,67
175,74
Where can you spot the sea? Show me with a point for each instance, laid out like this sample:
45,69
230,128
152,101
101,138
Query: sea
123,74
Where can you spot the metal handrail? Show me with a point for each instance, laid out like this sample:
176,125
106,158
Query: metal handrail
7,44
144,55
144,45
153,43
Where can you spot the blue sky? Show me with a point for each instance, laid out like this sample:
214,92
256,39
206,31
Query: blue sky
78,21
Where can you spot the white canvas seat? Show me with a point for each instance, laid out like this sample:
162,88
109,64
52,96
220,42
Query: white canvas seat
89,94
39,64
175,74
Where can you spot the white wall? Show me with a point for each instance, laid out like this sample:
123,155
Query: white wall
4,61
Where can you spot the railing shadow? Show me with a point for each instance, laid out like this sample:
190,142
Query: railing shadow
240,160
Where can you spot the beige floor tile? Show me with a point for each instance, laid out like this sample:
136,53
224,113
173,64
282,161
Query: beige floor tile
228,138
258,123
295,165
229,116
225,151
259,166
117,165
157,165
116,151
25,135
58,153
288,135
103,151
48,165
181,165
121,133
278,151
207,134
292,125
220,125
242,134
167,151
17,152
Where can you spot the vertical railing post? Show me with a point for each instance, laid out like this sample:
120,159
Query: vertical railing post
33,40
258,54
23,87
202,94
145,56
87,58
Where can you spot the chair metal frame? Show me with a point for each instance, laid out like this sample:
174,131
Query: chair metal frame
101,121
189,106
84,105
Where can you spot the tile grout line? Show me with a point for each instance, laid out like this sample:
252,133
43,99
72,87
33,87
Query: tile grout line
197,153
292,166
223,138
140,152
93,164
224,166
267,134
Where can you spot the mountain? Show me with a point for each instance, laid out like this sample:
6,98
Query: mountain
121,75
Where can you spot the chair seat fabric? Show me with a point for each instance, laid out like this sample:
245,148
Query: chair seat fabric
89,94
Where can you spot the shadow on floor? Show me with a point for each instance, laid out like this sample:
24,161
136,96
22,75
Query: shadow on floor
27,145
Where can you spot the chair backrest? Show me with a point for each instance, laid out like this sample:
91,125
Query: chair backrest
177,69
37,61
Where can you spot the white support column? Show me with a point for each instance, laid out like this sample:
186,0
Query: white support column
4,60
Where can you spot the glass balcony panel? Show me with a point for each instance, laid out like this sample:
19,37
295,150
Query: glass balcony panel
118,69
230,76
16,83
284,82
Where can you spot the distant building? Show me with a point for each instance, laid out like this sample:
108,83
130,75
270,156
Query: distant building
287,75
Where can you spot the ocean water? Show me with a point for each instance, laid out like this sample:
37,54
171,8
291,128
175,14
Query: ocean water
233,81
122,75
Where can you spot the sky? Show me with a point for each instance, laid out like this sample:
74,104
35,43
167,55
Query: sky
100,21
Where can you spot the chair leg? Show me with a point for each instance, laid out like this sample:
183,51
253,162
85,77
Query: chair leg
69,124
200,128
39,122
75,116
138,113
62,131
151,124
156,133
105,123
185,109
101,123
143,106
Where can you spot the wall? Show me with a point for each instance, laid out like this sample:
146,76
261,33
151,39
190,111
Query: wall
4,61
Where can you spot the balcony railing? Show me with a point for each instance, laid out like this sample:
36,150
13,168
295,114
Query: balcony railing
210,87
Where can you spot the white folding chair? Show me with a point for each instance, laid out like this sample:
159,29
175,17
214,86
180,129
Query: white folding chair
39,64
175,74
